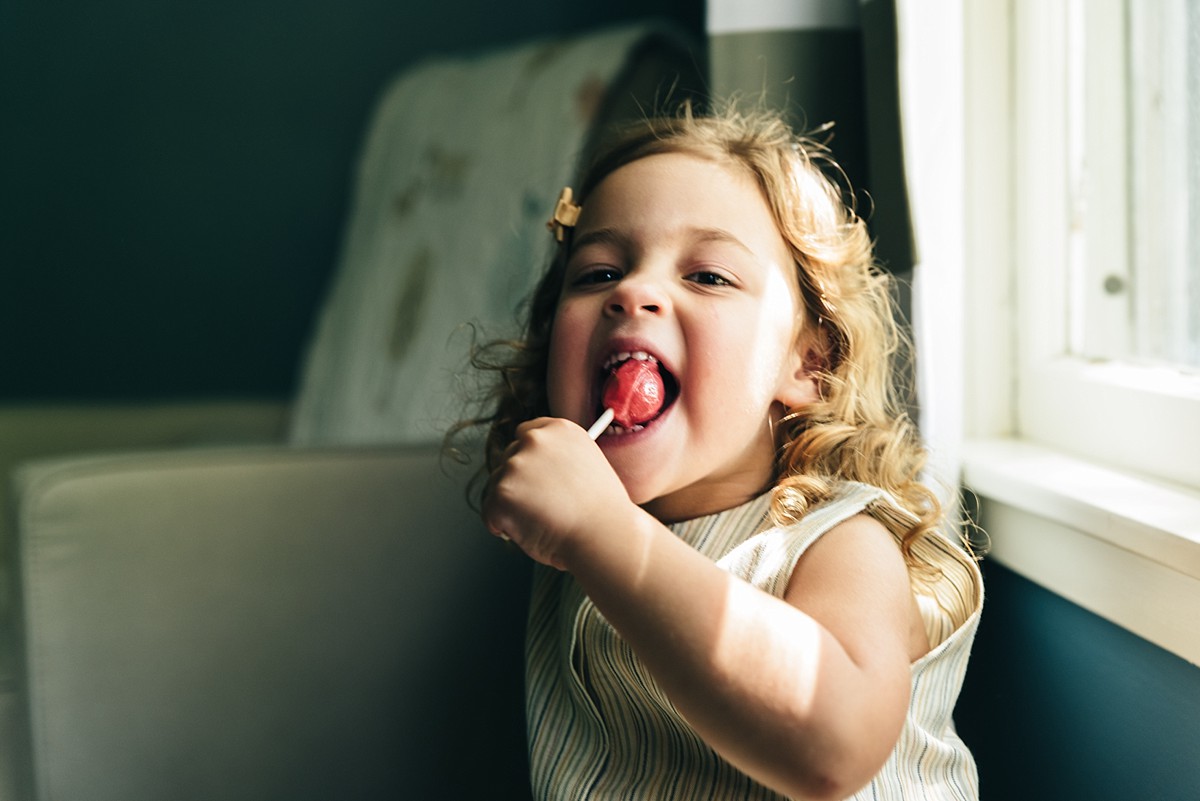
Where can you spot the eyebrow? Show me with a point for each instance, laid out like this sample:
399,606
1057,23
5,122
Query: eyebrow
600,236
611,236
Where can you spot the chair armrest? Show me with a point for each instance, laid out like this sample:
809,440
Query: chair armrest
267,623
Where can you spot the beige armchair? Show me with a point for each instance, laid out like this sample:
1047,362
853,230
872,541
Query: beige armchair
269,623
324,618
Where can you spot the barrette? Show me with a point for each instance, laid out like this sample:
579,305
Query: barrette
566,214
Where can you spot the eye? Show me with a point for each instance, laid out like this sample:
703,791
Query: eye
594,275
709,278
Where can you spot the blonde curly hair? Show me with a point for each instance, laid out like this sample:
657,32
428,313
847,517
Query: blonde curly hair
859,429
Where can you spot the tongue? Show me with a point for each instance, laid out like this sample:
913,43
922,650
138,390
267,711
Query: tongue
634,392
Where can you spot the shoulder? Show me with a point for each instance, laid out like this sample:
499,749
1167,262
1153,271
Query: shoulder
858,552
855,582
856,533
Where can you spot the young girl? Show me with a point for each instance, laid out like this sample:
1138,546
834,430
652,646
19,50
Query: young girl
745,596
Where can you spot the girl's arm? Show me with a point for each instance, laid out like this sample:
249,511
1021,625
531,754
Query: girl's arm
806,694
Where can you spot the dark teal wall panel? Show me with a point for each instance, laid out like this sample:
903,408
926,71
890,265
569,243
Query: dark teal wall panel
174,176
1061,704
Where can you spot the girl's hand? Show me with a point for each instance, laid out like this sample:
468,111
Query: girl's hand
553,492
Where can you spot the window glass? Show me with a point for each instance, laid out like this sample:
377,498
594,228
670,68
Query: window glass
1134,175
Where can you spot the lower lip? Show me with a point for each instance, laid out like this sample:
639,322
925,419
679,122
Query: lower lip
634,436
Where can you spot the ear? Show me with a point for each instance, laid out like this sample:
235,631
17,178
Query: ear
798,384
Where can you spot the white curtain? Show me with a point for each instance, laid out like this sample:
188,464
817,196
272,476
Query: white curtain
930,47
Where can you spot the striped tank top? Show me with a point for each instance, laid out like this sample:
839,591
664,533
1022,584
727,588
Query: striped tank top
600,728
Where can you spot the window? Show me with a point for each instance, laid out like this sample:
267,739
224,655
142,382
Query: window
1162,296
1082,191
1108,272
1135,280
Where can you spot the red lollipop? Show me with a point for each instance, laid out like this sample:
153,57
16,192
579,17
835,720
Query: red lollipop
634,392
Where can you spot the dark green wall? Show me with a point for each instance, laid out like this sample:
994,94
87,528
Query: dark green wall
1060,704
174,175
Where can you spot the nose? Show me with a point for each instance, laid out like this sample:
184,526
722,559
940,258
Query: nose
635,295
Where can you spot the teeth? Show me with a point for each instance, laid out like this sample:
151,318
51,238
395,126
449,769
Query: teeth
624,356
616,430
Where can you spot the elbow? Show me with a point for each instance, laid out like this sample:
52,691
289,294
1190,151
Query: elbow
835,760
830,773
816,774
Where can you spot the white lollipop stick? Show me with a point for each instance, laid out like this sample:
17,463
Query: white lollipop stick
602,422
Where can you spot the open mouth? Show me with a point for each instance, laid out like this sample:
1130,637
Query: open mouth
638,388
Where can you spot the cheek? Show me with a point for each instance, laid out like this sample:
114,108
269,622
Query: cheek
755,359
734,380
568,344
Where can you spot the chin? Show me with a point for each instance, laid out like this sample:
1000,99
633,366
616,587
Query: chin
642,489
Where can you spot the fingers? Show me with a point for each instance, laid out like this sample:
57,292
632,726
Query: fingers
505,504
528,498
490,506
498,494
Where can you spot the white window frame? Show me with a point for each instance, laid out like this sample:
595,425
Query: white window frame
1134,418
1089,471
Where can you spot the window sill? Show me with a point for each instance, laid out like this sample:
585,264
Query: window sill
1120,545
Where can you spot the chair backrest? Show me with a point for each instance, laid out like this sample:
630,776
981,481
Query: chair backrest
462,165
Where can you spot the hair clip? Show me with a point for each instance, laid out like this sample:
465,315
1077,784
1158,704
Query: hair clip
566,214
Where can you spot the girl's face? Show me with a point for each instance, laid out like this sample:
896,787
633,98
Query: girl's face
679,257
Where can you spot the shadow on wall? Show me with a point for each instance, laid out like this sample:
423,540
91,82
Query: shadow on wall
174,178
1059,703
